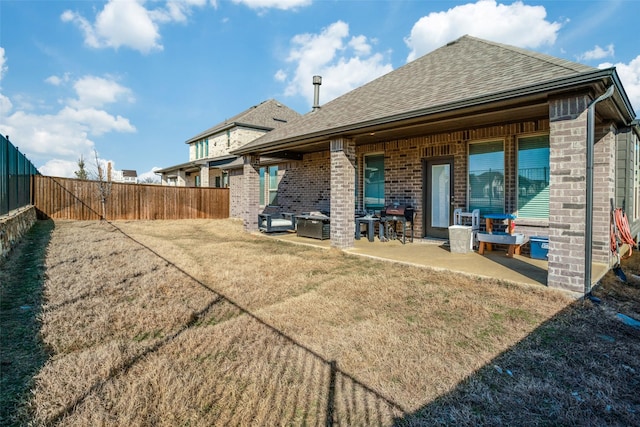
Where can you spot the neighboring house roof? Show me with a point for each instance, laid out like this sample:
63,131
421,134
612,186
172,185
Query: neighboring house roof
466,72
267,115
187,166
126,173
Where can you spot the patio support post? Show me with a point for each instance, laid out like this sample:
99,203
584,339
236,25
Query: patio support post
343,188
567,203
204,175
588,257
181,180
250,192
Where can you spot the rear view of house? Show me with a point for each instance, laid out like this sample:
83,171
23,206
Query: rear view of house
471,125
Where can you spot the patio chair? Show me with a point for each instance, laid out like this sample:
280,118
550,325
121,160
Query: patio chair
270,223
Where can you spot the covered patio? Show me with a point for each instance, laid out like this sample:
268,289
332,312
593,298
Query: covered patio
435,254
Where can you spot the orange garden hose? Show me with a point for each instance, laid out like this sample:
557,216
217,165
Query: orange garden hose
620,231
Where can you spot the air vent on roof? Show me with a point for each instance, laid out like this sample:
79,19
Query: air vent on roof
279,120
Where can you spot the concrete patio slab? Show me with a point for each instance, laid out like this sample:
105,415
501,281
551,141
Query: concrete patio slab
436,255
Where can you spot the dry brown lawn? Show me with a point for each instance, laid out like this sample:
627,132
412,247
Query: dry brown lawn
198,323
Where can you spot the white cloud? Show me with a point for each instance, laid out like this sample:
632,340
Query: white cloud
597,53
5,105
128,23
516,24
57,80
3,63
630,77
59,167
60,138
96,122
97,91
343,63
280,76
274,4
360,45
176,10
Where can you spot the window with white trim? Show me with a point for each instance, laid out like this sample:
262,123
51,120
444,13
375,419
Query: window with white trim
533,177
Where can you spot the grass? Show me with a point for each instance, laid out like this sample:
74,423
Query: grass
21,351
198,323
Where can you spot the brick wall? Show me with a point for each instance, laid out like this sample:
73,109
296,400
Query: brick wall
236,193
343,163
604,167
568,128
314,170
250,192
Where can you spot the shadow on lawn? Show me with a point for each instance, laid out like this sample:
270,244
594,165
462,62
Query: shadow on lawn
299,385
578,368
22,353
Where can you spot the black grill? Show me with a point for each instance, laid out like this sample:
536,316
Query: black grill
397,210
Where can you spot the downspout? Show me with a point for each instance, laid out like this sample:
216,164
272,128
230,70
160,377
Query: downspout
588,232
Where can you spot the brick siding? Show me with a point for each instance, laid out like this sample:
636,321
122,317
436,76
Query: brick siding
343,172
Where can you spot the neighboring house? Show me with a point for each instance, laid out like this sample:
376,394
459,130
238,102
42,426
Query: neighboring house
209,150
473,124
125,176
129,176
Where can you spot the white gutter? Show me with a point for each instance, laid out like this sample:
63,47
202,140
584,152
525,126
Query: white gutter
588,232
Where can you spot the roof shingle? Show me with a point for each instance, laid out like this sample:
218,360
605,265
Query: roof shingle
464,69
269,114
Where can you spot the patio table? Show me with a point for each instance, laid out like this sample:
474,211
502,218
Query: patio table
370,223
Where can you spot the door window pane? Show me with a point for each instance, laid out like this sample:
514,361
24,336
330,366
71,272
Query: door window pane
533,177
440,195
486,177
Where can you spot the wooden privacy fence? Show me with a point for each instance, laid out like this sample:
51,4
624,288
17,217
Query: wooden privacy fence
65,198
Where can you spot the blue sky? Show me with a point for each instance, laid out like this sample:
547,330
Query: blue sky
132,80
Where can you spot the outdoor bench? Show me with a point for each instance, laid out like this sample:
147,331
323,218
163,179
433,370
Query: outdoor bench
515,241
269,223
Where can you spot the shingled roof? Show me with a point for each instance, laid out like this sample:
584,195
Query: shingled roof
464,70
267,115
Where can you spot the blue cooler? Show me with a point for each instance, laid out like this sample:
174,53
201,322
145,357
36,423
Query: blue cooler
539,247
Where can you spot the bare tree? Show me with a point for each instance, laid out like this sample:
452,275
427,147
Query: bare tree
104,185
149,180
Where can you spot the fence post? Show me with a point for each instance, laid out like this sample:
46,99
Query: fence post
5,189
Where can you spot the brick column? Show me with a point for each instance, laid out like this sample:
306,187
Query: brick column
604,173
567,191
343,188
204,175
250,192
